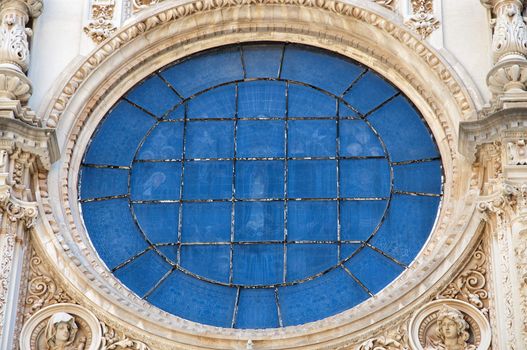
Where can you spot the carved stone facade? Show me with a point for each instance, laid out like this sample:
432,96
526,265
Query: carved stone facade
467,289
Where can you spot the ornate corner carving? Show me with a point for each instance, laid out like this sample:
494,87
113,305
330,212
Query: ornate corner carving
101,25
449,324
42,290
423,20
393,339
389,4
510,31
114,340
517,152
470,285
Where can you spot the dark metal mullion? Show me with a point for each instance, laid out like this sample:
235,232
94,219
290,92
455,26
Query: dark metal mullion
170,86
415,161
257,242
357,280
181,188
142,109
129,260
158,201
201,119
105,166
233,188
106,198
235,312
354,82
339,245
420,194
286,150
278,308
386,255
175,160
161,280
281,62
243,62
382,104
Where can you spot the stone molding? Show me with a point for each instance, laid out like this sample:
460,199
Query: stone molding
168,32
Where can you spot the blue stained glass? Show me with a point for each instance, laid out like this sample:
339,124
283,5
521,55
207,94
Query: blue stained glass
150,215
373,269
208,180
164,142
195,300
418,177
142,273
412,232
212,139
217,227
312,138
358,219
260,138
154,95
112,231
369,92
259,221
216,103
363,178
121,131
324,296
152,181
262,61
202,71
261,99
358,140
317,67
285,163
209,261
258,264
306,260
303,225
103,182
257,309
403,131
308,102
312,179
260,179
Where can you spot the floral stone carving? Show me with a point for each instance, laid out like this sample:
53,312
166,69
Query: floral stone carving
449,325
61,327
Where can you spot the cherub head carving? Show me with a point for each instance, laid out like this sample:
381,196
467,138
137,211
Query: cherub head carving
60,331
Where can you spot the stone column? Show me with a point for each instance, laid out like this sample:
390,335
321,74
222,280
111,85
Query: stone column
26,150
508,78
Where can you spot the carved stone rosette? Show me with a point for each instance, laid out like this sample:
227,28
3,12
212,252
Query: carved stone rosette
423,20
101,25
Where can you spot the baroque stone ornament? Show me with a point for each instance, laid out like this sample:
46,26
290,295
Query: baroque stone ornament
61,327
449,325
114,340
381,343
101,26
423,20
389,4
471,284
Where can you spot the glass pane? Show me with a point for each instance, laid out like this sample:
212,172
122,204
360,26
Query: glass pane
216,228
358,140
363,178
159,222
418,177
216,103
403,132
312,221
142,273
154,95
259,221
121,131
307,102
113,232
212,139
358,219
164,142
261,99
369,92
324,296
257,309
312,179
152,181
319,68
193,75
262,61
204,302
312,138
373,269
259,179
306,260
209,261
208,180
258,264
261,138
103,182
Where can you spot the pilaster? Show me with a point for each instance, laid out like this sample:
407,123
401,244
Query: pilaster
26,150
